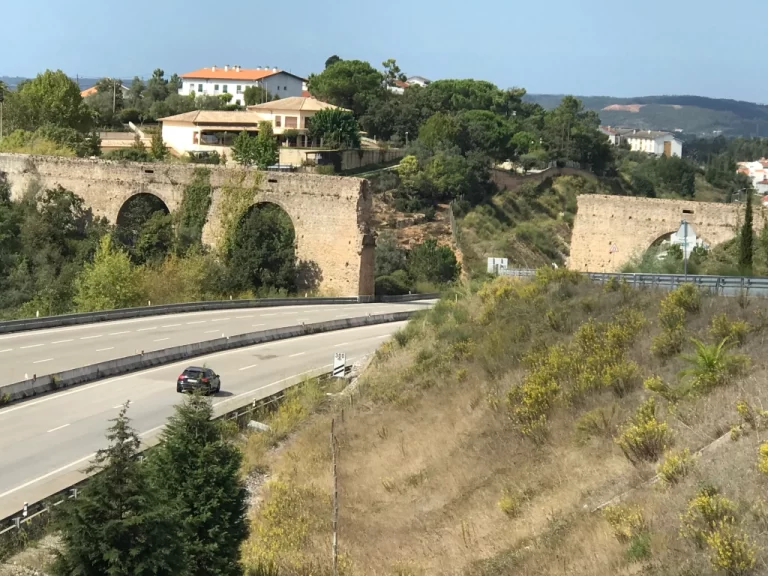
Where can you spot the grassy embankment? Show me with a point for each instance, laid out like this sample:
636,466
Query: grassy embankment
486,434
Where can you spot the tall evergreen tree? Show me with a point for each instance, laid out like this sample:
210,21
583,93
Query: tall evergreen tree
746,239
116,527
197,471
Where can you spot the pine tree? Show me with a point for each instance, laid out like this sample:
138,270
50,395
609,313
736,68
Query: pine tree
159,150
746,239
244,149
266,149
116,527
197,471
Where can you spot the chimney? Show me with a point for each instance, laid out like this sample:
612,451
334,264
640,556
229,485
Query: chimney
237,68
213,68
226,67
274,69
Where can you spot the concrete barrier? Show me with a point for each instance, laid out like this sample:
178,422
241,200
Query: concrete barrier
26,324
136,362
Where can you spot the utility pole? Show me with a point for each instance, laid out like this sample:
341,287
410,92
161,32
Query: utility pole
335,507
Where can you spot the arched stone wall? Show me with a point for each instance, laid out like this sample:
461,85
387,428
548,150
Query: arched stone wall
610,230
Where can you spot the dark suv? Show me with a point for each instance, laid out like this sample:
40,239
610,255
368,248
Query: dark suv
195,378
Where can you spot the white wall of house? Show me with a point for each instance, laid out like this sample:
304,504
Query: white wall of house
281,84
655,146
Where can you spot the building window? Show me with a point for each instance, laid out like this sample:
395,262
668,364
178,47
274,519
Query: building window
215,87
306,123
239,89
225,89
199,87
285,87
291,122
278,88
277,122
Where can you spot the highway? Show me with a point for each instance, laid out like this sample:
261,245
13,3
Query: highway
55,349
44,441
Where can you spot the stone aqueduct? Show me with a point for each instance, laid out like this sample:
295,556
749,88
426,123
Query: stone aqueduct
330,214
610,230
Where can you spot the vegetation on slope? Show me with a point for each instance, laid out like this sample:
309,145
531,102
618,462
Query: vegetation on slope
487,437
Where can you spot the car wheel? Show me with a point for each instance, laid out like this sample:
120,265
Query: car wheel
178,388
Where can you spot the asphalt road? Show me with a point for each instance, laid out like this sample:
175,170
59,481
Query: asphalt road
43,440
56,349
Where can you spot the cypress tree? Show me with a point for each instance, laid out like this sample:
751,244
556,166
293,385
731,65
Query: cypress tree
116,527
198,472
746,240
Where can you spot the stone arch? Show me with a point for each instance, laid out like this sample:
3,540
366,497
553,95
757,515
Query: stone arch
139,196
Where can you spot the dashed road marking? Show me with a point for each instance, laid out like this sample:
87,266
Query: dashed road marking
41,361
248,367
31,346
105,349
58,428
118,333
92,337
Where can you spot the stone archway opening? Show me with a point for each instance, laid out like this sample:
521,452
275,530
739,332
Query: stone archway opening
262,254
144,226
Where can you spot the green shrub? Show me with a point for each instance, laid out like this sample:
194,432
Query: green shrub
644,438
676,466
626,521
600,422
395,284
639,547
732,331
712,365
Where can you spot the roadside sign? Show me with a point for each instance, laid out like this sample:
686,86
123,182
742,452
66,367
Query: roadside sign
339,364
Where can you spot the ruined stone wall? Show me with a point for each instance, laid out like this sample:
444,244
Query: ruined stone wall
331,215
506,180
610,230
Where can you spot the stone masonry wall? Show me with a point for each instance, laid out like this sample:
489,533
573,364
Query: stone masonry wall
610,230
331,215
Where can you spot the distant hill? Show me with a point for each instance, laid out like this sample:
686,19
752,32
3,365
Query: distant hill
12,81
693,115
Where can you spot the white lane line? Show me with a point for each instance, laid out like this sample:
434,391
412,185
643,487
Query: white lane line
241,317
256,325
48,475
92,337
289,313
31,346
342,315
58,428
210,331
118,333
105,349
382,337
161,339
41,361
62,341
219,319
297,354
6,350
170,325
342,344
265,315
247,367
84,388
196,322
145,329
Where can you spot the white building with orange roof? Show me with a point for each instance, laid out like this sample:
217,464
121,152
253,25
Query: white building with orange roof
234,80
757,172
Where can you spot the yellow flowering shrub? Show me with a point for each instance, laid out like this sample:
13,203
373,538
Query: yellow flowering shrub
626,521
644,438
731,550
706,512
762,463
675,466
733,331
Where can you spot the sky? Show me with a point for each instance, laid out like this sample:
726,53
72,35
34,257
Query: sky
583,47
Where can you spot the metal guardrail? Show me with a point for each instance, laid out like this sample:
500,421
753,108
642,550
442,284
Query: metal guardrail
720,285
9,326
31,511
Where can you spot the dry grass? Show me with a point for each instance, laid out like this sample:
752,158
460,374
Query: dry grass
428,453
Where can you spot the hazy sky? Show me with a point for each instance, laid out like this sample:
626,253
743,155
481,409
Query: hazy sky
587,47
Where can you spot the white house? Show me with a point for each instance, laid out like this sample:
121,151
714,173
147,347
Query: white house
654,142
234,80
215,130
400,86
757,172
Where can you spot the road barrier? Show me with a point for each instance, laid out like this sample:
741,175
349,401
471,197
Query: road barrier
26,324
720,285
52,382
232,408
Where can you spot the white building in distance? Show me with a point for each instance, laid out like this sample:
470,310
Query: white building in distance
648,141
234,80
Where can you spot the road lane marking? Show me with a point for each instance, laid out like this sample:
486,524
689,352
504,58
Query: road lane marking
219,319
105,349
62,341
6,350
118,333
256,325
289,313
248,367
161,339
196,322
170,325
145,329
211,331
342,315
342,344
86,387
31,346
41,361
265,315
48,475
58,428
297,354
241,317
119,406
92,337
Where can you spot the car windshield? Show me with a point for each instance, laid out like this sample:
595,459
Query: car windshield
193,374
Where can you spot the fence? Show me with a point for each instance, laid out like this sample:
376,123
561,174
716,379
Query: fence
721,285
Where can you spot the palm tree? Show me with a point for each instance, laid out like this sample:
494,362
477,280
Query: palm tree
712,364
